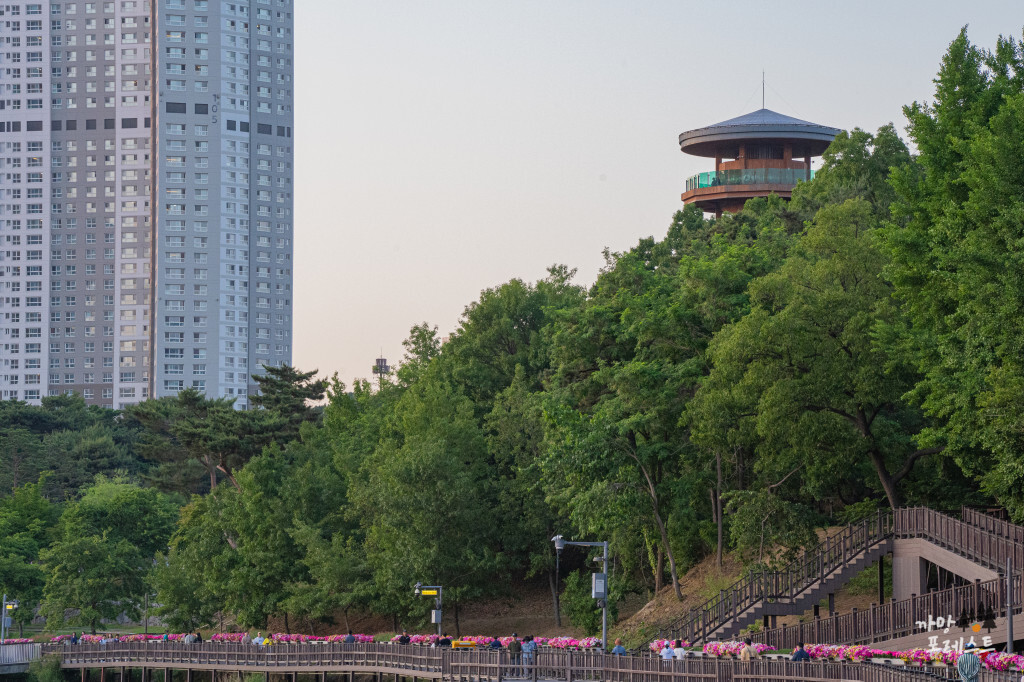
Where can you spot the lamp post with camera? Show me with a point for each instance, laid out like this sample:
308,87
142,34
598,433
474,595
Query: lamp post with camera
5,618
598,583
437,592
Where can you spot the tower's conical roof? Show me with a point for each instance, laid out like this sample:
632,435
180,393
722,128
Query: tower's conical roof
763,124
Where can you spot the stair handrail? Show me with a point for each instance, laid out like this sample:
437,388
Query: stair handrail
813,565
993,524
976,543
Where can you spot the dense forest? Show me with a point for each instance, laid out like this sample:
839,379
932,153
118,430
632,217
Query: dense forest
731,386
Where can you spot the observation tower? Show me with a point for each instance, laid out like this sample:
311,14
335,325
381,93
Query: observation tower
755,155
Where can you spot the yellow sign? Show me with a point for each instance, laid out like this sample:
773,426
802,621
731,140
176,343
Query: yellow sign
429,593
10,606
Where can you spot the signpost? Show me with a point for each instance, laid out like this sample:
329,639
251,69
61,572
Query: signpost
437,592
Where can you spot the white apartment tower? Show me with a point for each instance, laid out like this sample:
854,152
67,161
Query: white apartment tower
145,197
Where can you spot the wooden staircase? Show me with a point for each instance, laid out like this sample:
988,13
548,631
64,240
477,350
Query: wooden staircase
979,537
794,589
821,571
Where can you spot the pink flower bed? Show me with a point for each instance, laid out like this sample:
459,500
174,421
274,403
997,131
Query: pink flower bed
23,640
992,660
418,639
999,661
96,639
733,648
484,640
284,638
659,644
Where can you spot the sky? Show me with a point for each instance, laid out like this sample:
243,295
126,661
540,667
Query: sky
443,148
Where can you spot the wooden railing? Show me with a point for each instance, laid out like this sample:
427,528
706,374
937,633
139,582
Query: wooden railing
993,524
453,665
977,543
916,615
17,654
811,568
424,661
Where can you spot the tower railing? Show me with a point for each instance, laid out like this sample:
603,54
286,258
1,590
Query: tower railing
747,176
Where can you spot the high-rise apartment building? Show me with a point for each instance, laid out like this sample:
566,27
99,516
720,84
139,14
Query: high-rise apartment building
145,197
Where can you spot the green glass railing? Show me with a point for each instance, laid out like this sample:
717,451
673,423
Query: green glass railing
747,176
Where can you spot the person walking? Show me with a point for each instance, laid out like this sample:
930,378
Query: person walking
404,639
679,651
495,644
618,649
515,650
748,652
667,652
799,653
349,638
529,652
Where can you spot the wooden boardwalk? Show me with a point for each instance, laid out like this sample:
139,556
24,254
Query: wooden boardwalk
213,661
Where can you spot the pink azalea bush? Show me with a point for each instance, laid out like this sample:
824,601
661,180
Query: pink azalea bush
23,640
992,660
733,648
484,640
659,644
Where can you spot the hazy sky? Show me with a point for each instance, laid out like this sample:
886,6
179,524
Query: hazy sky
447,147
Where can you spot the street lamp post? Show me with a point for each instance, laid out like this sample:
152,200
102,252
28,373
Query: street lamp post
437,592
600,583
5,618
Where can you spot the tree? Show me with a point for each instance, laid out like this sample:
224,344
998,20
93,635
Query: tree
803,364
427,501
26,519
625,364
956,261
190,426
19,458
289,392
97,576
515,442
503,331
103,552
192,576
